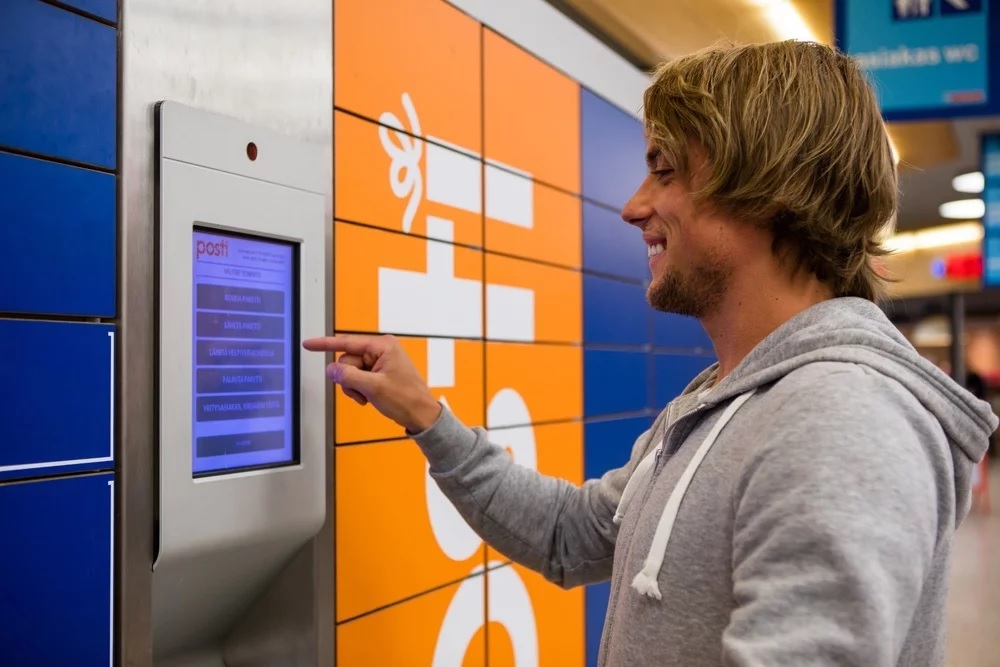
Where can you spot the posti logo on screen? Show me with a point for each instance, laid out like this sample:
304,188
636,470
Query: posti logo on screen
203,248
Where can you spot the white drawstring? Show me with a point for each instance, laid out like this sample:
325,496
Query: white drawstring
645,581
638,479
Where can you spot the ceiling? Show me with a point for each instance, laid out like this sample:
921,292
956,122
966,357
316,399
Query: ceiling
647,31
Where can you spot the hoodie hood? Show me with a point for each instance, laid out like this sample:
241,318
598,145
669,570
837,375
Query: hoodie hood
856,331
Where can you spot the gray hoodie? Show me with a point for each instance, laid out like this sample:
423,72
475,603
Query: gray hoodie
801,512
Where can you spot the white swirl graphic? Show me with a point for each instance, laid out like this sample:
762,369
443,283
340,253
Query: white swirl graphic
404,170
457,540
509,606
508,407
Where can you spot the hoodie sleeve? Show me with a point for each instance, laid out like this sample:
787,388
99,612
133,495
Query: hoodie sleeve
563,531
836,524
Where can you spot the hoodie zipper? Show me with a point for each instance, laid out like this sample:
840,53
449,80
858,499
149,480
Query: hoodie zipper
619,567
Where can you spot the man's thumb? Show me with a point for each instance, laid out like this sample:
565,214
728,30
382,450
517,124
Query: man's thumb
352,377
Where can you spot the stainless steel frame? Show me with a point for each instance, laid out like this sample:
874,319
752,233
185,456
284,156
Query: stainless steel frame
269,63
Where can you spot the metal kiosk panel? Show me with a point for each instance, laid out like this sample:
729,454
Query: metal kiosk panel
241,280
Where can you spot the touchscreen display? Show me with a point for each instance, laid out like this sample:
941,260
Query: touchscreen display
245,375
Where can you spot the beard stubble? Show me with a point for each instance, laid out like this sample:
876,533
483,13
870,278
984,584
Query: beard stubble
694,293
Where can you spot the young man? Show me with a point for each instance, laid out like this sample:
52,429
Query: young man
796,504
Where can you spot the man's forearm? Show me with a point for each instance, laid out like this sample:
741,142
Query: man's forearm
547,524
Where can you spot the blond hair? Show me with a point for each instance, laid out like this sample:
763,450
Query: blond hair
795,141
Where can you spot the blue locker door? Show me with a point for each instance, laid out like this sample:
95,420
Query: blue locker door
56,587
607,443
612,247
678,332
58,246
613,152
614,312
672,373
615,382
58,405
58,82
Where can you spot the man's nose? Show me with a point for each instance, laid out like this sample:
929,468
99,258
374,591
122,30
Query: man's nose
637,209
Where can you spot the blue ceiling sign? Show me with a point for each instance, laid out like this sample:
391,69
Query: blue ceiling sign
990,155
928,59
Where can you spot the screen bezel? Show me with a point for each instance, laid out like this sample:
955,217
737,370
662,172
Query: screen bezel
204,177
292,360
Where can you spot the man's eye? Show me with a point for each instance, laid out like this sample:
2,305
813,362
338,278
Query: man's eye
662,173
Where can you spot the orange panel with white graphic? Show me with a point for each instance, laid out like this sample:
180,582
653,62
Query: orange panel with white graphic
397,535
531,115
444,627
403,284
527,219
528,302
555,450
390,179
452,368
532,621
413,64
527,383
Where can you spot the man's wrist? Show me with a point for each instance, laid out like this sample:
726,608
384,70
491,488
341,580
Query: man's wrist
424,416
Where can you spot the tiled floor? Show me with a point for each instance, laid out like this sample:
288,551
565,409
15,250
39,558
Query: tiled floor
974,603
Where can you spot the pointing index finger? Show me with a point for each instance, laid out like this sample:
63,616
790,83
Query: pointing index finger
349,344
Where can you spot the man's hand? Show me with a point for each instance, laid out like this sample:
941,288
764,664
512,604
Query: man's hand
376,370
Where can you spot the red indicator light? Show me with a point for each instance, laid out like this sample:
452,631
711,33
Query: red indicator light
964,267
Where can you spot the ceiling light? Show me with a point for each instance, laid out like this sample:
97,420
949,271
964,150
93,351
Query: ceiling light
962,209
946,235
900,243
935,237
785,20
971,182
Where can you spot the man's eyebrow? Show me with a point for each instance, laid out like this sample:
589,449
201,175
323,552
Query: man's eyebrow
651,156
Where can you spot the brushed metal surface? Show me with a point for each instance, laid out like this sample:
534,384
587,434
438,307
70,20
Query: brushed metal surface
263,638
224,538
264,62
200,180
